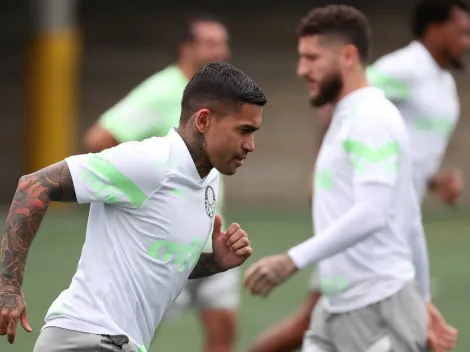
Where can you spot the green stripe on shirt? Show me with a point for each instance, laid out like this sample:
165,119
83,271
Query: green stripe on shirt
373,155
116,178
390,86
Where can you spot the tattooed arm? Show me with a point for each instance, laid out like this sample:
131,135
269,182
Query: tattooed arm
206,266
29,205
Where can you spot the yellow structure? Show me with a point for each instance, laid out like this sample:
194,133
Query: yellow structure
52,83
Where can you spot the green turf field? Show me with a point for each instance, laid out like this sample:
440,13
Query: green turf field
53,259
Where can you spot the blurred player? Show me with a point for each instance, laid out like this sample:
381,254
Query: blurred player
416,79
152,109
152,212
369,241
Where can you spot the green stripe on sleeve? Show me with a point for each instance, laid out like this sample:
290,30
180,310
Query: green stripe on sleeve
372,155
117,179
391,86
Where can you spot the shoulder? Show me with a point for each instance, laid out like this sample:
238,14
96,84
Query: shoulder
379,114
139,160
162,85
399,65
154,151
450,80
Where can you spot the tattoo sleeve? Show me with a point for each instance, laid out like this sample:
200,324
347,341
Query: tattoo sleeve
206,266
30,202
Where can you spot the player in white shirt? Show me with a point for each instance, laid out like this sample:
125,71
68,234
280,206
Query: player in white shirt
366,212
416,79
151,110
152,211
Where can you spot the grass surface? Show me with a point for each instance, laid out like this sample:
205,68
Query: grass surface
54,257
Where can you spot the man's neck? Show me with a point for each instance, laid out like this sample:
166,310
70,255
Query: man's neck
435,53
356,81
187,68
196,147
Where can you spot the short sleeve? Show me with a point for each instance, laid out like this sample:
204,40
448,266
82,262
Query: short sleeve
137,116
125,175
130,121
390,77
374,147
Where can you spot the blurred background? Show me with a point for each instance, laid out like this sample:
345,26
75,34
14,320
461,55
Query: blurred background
54,86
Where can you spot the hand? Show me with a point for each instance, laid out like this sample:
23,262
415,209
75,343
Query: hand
12,309
232,247
441,336
264,275
448,186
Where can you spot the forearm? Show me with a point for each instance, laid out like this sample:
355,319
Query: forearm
24,217
29,205
97,139
206,266
368,215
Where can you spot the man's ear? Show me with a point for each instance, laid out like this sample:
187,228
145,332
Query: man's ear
202,120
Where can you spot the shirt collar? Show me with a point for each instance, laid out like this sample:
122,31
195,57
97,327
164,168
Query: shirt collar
186,163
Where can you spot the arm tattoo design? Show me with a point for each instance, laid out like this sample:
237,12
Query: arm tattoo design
29,205
206,266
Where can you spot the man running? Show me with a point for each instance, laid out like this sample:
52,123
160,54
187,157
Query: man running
152,109
152,210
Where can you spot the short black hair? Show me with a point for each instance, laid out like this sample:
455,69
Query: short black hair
220,87
343,21
185,33
429,12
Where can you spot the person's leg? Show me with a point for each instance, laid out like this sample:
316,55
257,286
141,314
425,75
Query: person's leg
288,334
405,313
220,327
397,323
316,338
218,298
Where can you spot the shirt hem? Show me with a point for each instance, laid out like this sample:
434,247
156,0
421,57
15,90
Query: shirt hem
348,306
87,328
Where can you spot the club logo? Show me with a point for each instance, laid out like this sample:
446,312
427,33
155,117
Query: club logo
210,201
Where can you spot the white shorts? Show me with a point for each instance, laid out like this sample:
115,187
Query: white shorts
220,291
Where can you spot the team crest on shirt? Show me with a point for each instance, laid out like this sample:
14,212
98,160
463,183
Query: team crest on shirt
210,201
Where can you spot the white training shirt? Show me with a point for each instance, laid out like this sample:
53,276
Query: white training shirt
427,98
364,196
150,217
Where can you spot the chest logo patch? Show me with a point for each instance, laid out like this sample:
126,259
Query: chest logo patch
210,201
